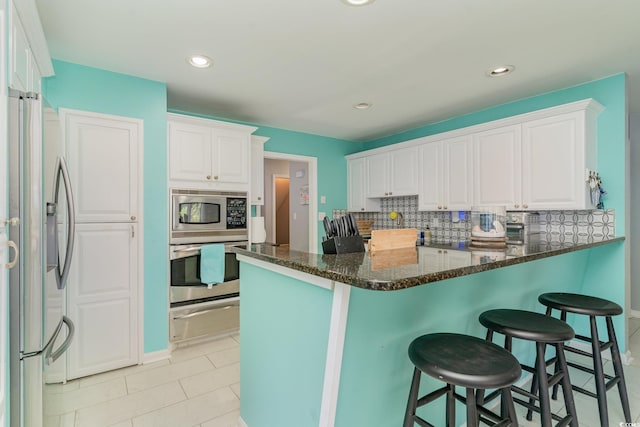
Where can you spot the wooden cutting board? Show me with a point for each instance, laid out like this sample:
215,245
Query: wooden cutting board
382,240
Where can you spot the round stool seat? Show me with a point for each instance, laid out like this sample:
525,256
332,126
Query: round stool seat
580,304
527,325
464,360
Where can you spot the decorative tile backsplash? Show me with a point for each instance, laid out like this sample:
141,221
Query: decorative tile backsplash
558,225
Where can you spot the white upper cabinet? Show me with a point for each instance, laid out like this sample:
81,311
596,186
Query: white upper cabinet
208,153
257,169
20,74
446,172
497,167
534,161
393,174
556,152
356,187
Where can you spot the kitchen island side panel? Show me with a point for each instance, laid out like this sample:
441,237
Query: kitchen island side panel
284,326
376,371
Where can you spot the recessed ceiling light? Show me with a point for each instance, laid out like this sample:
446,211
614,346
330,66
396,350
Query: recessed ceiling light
362,106
501,70
199,61
357,2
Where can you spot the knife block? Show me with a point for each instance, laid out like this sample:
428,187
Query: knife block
343,245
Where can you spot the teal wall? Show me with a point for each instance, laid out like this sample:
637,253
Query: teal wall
90,89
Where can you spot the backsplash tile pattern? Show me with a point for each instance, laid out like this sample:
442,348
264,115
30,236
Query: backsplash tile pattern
559,226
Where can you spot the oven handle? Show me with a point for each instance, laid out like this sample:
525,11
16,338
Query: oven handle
181,252
200,313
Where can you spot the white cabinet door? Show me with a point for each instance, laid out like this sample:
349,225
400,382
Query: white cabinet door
446,173
356,187
404,172
377,169
230,156
457,157
189,152
497,167
431,174
102,299
257,169
20,56
103,161
553,175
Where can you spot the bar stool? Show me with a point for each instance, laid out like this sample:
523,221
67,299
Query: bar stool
594,307
466,361
543,330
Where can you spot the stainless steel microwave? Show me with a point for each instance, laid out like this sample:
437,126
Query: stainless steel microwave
202,216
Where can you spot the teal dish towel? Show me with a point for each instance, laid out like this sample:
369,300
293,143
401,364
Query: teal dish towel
212,264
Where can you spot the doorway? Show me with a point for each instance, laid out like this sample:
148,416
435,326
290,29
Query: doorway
281,209
300,219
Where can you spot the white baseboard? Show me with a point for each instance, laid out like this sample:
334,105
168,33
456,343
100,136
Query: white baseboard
156,356
625,358
634,314
241,423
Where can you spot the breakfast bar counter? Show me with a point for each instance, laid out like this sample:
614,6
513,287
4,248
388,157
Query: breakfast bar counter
325,337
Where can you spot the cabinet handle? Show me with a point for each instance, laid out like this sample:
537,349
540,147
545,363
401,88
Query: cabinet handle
259,198
525,206
386,194
390,193
133,232
133,217
208,176
444,207
215,177
361,209
12,264
516,206
439,207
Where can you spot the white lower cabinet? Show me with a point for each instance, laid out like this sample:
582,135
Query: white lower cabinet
446,173
102,299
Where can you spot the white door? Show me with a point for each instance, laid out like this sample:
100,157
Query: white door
497,167
356,184
430,197
404,172
230,151
4,202
103,161
377,175
102,299
189,152
458,173
551,155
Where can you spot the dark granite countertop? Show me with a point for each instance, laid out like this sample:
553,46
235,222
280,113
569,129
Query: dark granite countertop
405,268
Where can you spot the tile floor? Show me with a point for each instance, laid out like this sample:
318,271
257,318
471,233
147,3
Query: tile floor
199,386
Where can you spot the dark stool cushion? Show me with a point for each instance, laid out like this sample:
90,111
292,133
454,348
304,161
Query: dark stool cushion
581,304
527,325
464,360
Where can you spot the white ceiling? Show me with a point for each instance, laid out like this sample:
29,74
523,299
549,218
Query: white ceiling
302,64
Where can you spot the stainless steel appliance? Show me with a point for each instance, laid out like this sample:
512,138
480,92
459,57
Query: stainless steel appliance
29,351
200,216
522,227
196,309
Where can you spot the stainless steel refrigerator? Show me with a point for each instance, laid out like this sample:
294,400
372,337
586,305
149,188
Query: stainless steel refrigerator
36,235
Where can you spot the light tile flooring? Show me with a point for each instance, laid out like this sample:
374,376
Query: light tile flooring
199,386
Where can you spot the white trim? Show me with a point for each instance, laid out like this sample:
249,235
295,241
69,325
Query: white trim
202,121
241,423
30,20
286,271
586,104
625,357
313,191
634,313
155,356
335,347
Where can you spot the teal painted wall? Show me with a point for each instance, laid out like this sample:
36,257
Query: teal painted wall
90,89
285,329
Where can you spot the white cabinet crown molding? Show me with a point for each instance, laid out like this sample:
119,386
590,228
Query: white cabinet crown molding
588,104
201,121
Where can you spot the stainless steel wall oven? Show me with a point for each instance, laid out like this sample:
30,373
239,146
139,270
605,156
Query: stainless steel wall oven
198,218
